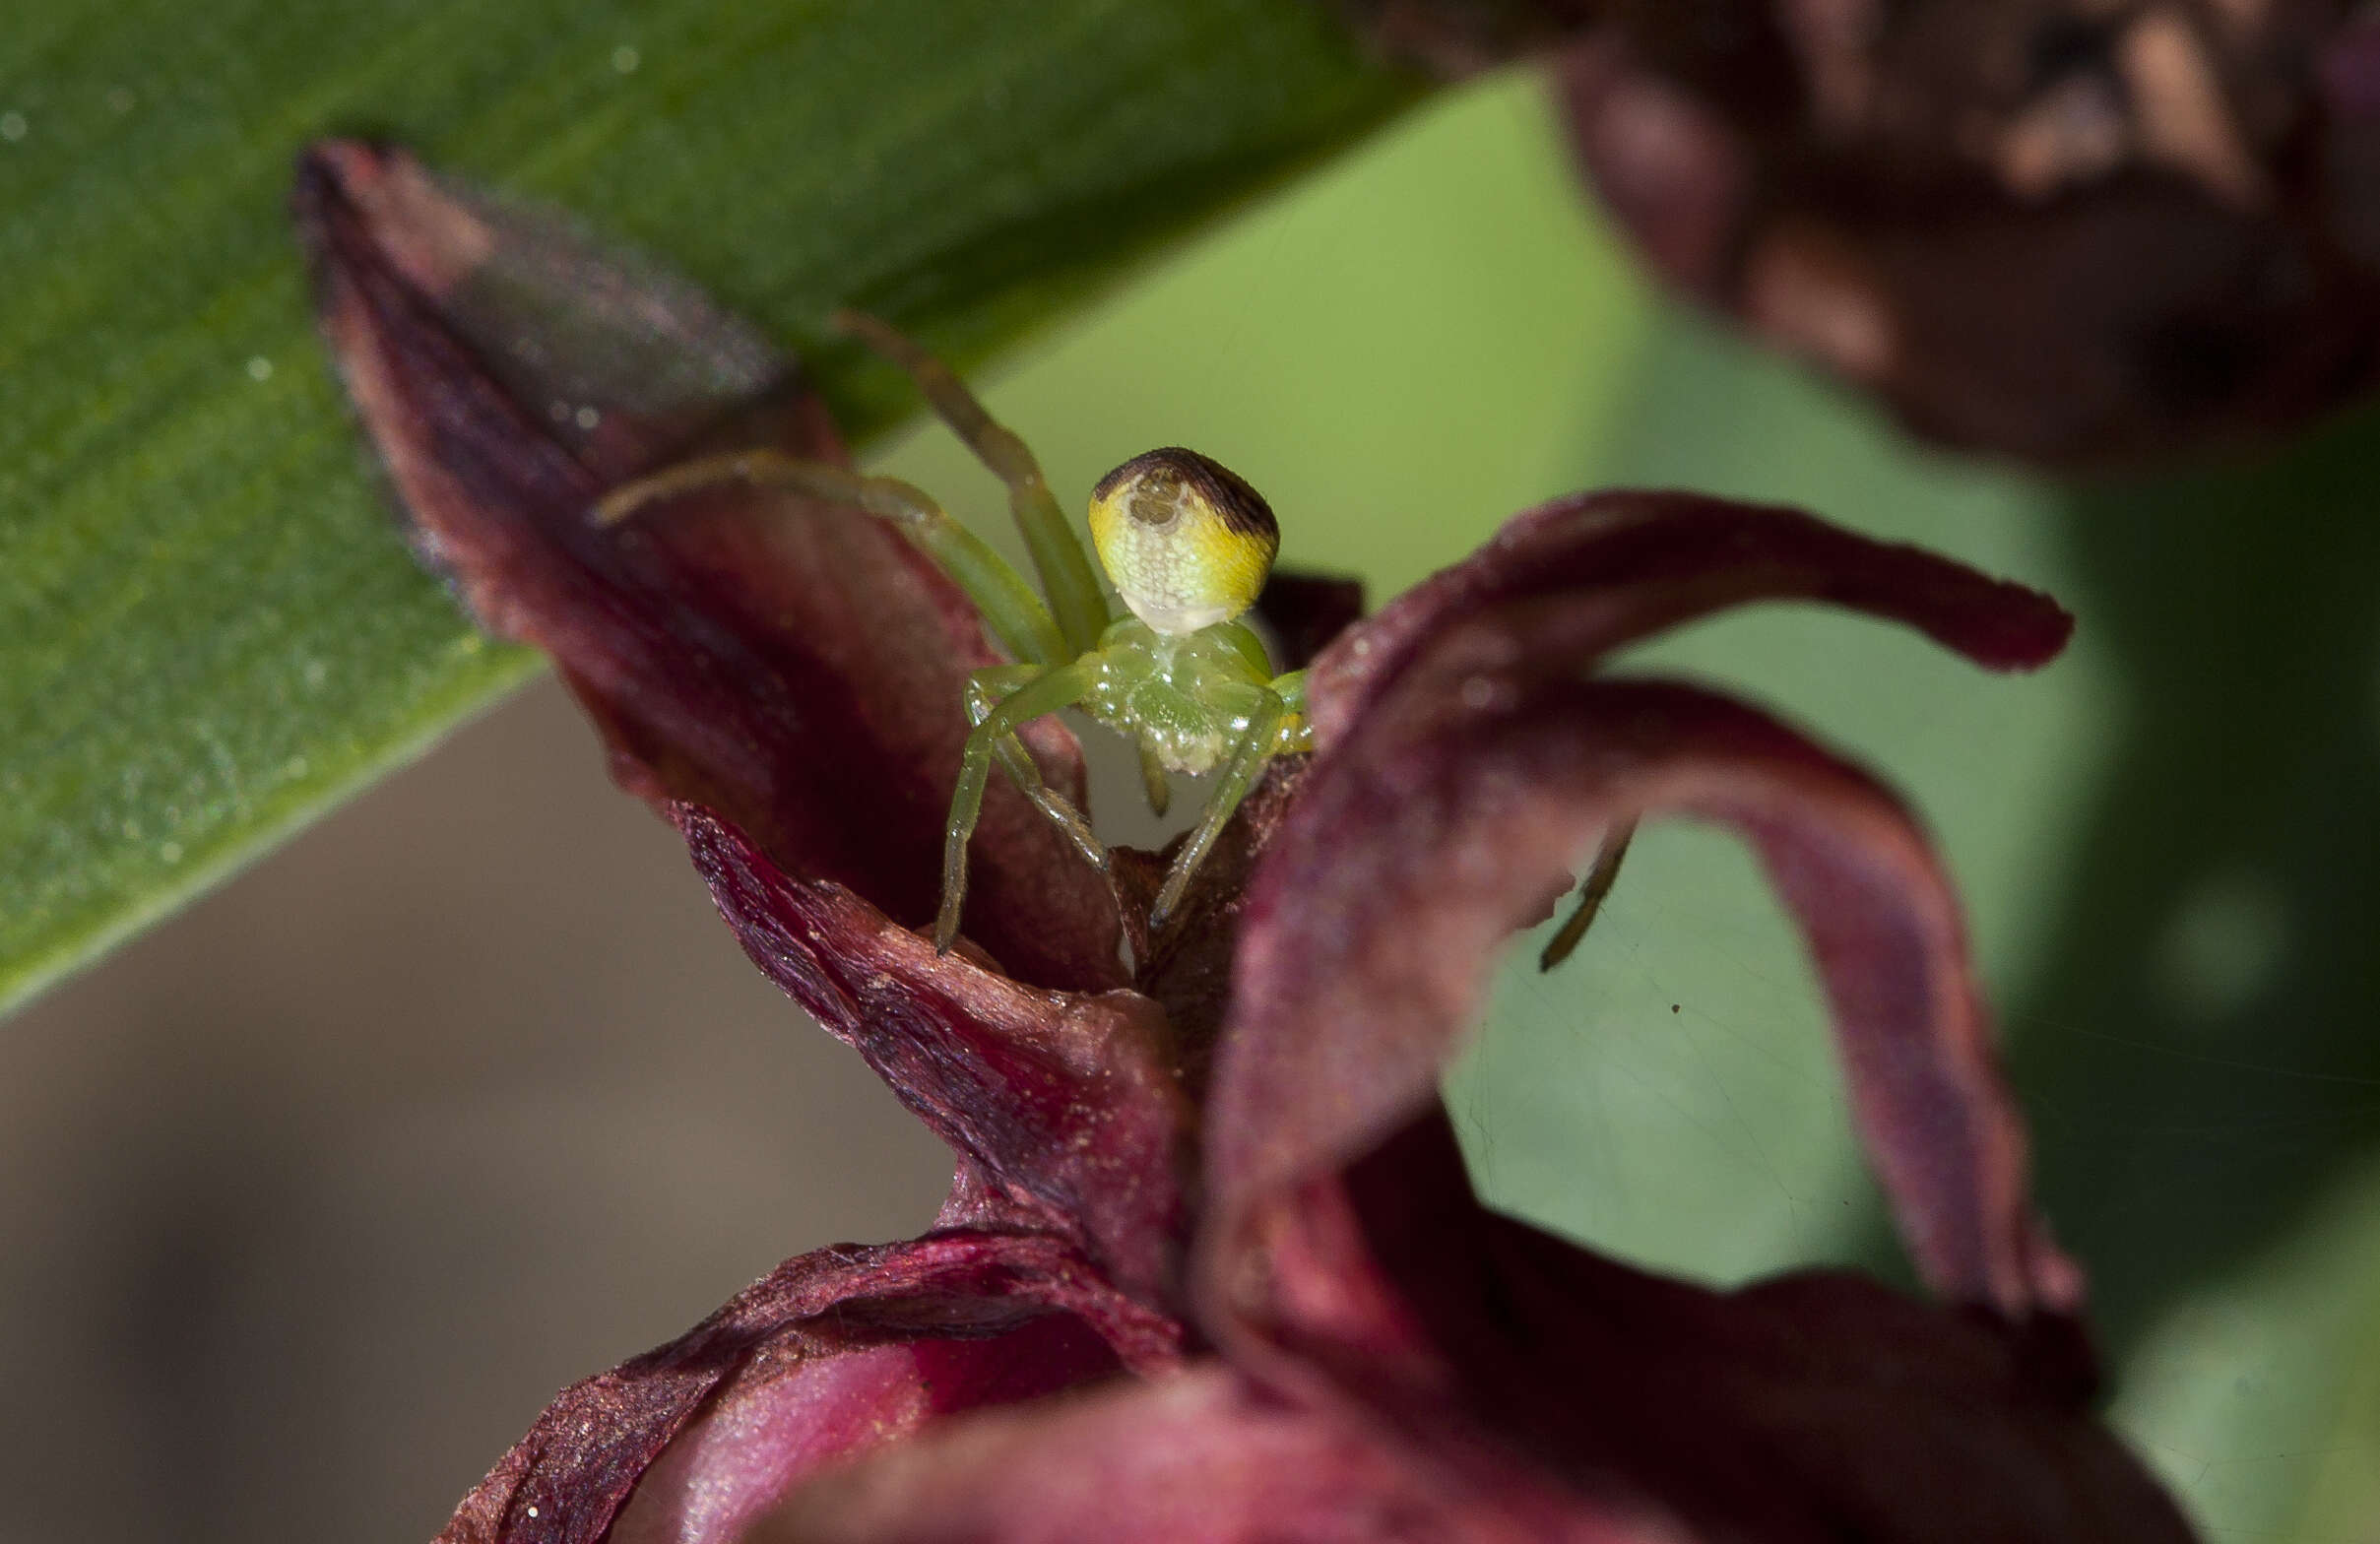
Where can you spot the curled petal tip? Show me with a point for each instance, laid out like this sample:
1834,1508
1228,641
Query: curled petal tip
1564,585
2031,630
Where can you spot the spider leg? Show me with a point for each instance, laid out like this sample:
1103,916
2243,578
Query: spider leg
984,689
1257,746
1600,877
1048,692
1296,733
1066,574
1154,782
1014,613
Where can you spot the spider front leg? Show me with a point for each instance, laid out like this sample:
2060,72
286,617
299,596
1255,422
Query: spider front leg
1600,877
1009,608
1155,784
1258,744
985,692
1047,693
1076,601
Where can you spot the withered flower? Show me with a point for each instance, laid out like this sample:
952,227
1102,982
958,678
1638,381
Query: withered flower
1212,1266
2077,231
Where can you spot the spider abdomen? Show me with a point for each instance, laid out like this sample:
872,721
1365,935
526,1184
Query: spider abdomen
1186,541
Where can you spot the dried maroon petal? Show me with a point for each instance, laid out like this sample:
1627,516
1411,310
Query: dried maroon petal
1203,1459
1581,577
1814,1406
1415,850
1064,1108
1186,969
792,665
1465,770
832,1354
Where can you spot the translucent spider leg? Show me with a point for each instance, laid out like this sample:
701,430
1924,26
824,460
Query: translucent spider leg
1076,600
1047,693
985,692
1154,782
1014,613
1600,877
1257,744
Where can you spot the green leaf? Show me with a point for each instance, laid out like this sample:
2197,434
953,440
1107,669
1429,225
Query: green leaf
209,630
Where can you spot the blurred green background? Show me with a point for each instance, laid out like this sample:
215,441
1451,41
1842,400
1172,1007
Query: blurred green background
321,1189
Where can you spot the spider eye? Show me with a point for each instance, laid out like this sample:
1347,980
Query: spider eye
1186,541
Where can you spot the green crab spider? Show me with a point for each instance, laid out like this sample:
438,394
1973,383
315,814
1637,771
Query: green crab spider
1187,545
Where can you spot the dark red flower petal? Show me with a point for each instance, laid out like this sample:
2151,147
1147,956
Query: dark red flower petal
1428,834
1466,770
1201,1459
1581,577
1463,772
834,1353
1305,612
1815,1406
792,665
1062,1107
1187,968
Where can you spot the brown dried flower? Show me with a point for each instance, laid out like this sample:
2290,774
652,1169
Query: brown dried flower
2075,231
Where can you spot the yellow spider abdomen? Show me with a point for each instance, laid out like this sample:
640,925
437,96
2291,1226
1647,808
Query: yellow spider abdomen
1186,541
